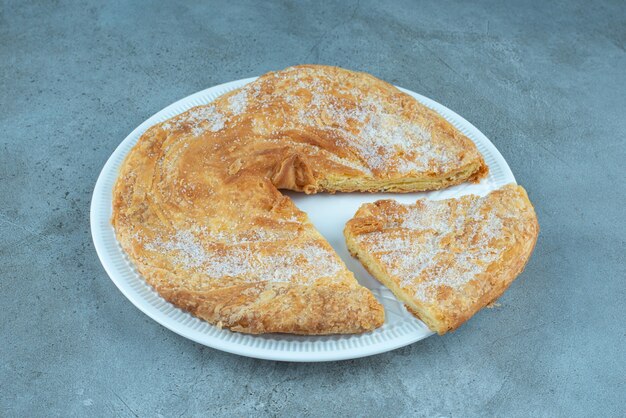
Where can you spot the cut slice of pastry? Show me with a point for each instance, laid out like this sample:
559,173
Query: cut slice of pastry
446,259
250,261
196,205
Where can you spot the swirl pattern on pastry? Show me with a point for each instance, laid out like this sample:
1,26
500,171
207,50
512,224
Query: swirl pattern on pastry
197,206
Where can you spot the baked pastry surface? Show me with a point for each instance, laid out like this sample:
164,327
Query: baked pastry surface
197,209
446,259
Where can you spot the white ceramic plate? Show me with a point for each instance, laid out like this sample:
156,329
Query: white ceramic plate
329,213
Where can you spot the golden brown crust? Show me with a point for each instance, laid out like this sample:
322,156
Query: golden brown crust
197,207
258,308
447,259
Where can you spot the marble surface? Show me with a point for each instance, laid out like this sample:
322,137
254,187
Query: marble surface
545,81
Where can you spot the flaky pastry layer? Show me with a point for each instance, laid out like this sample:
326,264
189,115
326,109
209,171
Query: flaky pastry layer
196,205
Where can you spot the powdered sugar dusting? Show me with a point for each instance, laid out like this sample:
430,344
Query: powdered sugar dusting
200,119
428,216
247,261
209,117
238,102
190,253
206,118
432,246
384,139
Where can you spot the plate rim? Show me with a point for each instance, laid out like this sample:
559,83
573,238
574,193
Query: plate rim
215,342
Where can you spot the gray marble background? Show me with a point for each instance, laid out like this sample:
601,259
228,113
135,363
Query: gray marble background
546,81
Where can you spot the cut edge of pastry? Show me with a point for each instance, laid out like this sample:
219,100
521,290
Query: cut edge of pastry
373,267
473,172
435,322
